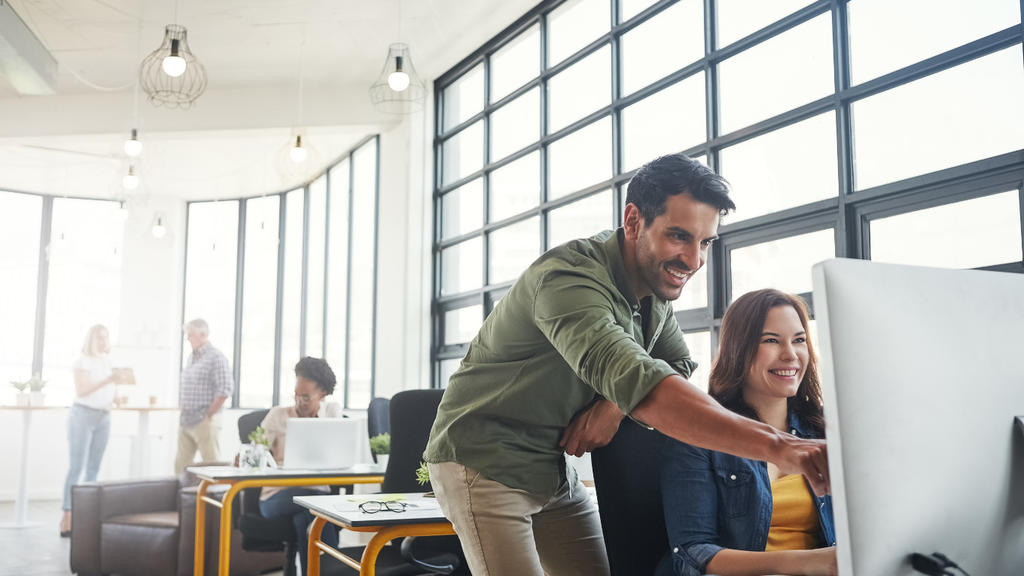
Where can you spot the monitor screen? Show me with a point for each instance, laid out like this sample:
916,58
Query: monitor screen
923,378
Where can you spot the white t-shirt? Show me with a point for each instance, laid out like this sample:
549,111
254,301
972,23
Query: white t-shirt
97,368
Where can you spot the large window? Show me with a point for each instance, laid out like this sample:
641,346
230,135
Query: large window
285,281
61,264
840,136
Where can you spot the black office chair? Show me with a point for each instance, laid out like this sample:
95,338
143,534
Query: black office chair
260,533
378,420
627,477
412,414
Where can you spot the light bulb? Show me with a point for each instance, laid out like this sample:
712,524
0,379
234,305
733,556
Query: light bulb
174,66
132,146
130,180
398,81
297,152
159,230
122,211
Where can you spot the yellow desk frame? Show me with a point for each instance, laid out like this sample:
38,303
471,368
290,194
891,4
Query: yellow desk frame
235,486
383,534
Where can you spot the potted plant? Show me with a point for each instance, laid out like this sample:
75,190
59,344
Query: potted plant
256,454
380,446
36,395
23,397
423,475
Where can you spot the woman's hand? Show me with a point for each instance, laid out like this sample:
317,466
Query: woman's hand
819,562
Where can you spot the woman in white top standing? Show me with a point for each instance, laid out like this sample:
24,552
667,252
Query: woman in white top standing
89,420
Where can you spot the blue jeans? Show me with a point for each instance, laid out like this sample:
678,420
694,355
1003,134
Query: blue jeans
280,504
88,431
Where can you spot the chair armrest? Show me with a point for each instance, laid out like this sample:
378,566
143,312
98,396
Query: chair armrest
85,528
440,562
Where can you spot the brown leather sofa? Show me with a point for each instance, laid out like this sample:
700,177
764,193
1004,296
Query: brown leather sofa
147,527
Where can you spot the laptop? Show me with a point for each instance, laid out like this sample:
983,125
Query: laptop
321,443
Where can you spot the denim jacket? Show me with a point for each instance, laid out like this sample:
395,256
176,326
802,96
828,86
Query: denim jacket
714,501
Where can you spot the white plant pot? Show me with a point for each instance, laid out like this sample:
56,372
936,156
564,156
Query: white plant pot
382,459
37,398
22,399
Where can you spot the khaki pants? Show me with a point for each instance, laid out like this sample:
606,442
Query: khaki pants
204,437
505,531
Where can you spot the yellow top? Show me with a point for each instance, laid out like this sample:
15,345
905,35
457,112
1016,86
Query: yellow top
795,523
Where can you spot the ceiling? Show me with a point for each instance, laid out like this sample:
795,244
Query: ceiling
254,52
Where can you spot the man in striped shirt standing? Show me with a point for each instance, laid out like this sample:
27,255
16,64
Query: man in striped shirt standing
205,384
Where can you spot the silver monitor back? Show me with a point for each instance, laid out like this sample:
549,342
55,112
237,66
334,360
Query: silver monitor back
923,375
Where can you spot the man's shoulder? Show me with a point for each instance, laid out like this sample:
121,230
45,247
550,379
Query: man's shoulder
585,257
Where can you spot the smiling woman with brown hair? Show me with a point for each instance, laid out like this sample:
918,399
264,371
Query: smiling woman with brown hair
727,515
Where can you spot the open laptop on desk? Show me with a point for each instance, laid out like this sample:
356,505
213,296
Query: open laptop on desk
321,443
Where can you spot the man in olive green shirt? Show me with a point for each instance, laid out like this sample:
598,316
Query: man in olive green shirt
586,335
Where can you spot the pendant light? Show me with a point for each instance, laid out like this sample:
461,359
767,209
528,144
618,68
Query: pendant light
159,230
130,181
297,153
171,75
132,146
398,89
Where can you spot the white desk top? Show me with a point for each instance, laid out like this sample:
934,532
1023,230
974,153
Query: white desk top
221,473
344,508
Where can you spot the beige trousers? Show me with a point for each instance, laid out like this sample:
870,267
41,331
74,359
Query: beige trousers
203,437
509,532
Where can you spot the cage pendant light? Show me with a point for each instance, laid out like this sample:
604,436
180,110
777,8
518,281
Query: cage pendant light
174,56
398,89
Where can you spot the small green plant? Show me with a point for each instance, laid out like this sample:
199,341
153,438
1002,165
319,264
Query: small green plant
19,386
259,436
381,444
35,384
422,474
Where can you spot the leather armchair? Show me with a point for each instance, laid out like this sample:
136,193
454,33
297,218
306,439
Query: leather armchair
147,527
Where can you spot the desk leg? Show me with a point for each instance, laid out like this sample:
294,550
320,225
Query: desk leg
21,501
316,530
224,557
197,559
138,466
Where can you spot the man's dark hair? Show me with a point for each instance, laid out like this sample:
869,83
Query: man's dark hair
317,370
676,174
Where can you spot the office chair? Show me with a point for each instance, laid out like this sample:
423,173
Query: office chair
412,414
628,480
378,420
260,533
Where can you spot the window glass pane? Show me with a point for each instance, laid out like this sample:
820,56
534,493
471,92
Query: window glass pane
886,36
665,122
515,125
337,273
761,170
575,24
315,268
695,292
630,8
783,264
515,187
84,286
966,113
516,63
512,249
581,219
461,324
699,344
464,98
665,43
291,308
579,90
448,367
462,267
784,72
925,238
20,220
580,159
259,302
211,271
463,154
739,18
462,209
364,272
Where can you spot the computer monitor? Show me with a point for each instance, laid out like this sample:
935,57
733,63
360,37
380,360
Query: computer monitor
923,378
321,443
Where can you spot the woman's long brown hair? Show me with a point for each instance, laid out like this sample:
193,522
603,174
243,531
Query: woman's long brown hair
737,346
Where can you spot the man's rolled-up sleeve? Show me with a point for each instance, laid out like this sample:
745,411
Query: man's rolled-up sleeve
575,313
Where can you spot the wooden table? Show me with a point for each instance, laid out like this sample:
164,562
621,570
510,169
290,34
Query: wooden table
422,517
238,479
